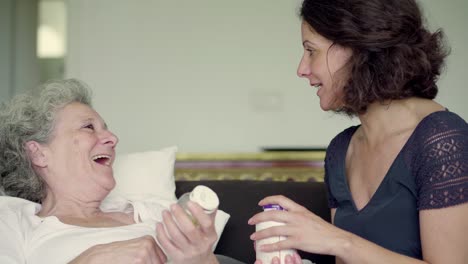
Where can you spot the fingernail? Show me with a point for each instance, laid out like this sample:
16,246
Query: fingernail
275,260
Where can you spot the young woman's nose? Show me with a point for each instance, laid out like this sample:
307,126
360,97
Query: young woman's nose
303,70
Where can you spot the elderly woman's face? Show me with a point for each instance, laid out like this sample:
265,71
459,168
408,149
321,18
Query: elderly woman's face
80,153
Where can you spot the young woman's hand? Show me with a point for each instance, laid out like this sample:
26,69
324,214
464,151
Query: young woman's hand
184,241
142,250
303,229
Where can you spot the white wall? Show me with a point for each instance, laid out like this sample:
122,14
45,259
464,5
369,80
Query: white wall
18,63
451,16
212,75
6,21
25,66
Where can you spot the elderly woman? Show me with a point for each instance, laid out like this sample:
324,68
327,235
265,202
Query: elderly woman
56,169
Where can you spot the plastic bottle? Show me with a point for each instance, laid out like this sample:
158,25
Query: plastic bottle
203,196
266,257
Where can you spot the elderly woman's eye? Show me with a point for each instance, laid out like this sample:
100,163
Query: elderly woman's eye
89,126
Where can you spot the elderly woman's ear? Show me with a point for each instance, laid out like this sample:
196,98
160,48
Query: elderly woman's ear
35,153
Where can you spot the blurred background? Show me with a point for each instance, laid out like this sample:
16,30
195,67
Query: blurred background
205,75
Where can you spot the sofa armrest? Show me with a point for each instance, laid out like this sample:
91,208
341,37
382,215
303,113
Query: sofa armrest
240,199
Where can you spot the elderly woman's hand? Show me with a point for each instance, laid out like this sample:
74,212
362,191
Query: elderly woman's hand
184,241
142,250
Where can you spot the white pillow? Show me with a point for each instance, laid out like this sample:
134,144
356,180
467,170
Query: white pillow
142,173
151,173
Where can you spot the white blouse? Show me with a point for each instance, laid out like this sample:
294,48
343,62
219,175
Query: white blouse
27,238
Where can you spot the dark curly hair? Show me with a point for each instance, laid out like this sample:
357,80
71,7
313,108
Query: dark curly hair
394,55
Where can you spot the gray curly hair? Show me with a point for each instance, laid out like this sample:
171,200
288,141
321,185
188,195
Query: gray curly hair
30,117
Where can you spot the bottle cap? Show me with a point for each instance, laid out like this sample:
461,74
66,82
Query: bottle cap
205,197
272,207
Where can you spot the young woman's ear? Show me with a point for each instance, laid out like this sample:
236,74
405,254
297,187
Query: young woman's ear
35,152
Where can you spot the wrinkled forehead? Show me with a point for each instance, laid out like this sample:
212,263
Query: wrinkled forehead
75,112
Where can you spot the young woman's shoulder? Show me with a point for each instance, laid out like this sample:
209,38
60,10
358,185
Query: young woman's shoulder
440,124
339,144
342,139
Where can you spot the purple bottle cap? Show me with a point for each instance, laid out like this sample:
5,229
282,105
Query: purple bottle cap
273,206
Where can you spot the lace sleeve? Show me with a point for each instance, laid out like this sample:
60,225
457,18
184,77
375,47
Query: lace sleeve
442,166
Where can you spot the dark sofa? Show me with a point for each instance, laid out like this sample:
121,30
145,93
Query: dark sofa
240,200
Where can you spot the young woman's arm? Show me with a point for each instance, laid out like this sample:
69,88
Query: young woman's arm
443,240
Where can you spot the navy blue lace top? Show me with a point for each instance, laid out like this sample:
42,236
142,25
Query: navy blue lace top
430,171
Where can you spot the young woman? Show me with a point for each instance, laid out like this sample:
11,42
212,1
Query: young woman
398,182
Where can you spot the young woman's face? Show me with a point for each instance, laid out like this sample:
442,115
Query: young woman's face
80,154
323,64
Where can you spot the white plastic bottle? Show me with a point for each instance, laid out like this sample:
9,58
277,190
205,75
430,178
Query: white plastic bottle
266,257
203,196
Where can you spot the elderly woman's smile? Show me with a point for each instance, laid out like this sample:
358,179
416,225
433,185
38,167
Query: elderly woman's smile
103,159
